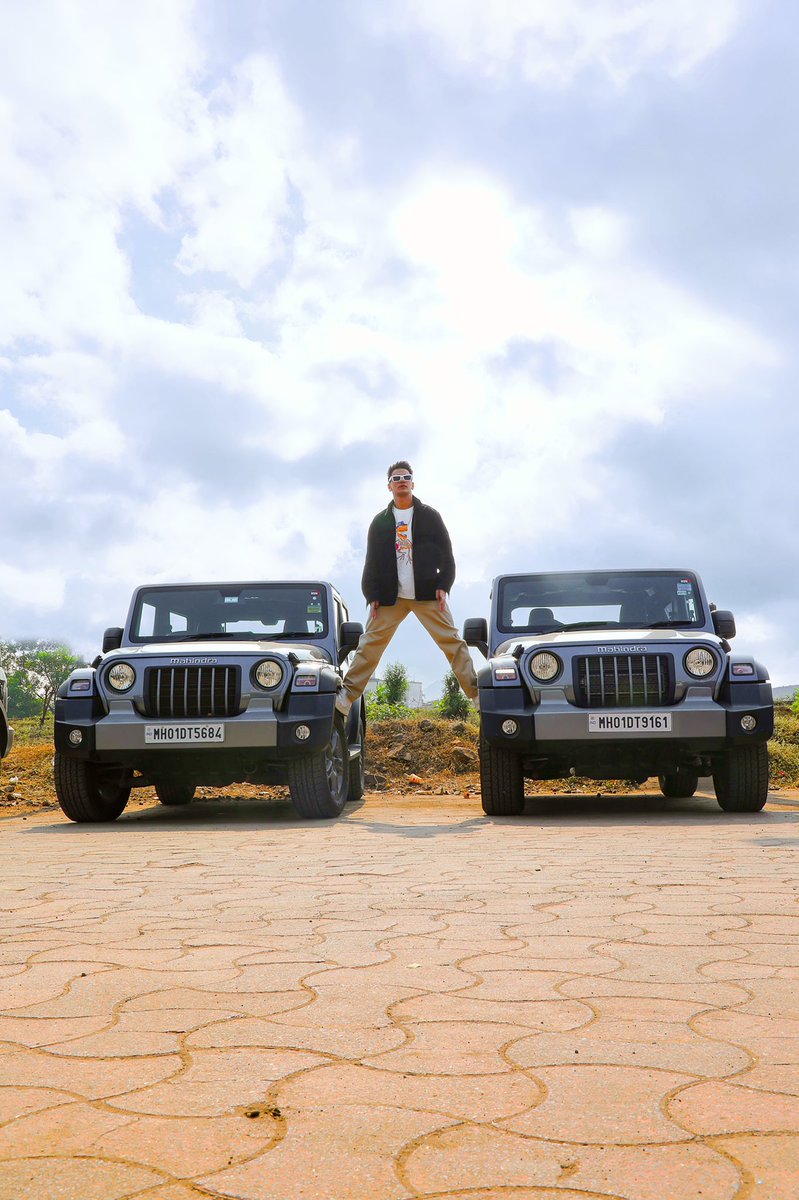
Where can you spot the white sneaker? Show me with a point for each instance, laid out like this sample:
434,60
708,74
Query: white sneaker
343,704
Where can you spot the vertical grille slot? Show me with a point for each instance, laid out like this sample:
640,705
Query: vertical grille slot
192,691
623,680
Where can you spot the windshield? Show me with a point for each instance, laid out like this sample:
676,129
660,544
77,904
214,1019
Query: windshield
599,600
269,610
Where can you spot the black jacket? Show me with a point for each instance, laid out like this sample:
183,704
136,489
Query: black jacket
433,564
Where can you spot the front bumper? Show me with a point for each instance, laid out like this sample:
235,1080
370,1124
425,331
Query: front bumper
119,735
698,721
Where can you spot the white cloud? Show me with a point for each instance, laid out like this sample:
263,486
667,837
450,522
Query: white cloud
238,193
549,42
193,273
40,591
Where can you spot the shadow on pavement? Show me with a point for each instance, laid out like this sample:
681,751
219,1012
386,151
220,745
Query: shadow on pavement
414,813
229,813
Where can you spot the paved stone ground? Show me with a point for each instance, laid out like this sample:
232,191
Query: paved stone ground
598,999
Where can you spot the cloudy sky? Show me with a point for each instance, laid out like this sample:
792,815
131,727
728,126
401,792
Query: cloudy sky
253,252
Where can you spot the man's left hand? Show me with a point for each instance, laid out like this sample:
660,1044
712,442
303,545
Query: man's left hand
441,597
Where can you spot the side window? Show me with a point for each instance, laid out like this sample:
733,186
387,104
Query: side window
339,614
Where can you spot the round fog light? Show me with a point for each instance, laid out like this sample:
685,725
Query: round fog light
302,732
748,723
75,736
509,727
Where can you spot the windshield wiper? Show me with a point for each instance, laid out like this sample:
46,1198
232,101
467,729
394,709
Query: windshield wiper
590,625
668,625
206,637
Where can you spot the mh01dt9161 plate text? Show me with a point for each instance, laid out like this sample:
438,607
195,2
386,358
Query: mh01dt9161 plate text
629,723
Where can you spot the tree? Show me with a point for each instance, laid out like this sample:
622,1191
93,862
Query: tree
453,703
36,669
22,702
51,665
395,684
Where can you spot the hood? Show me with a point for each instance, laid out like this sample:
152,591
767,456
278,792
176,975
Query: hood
218,650
608,639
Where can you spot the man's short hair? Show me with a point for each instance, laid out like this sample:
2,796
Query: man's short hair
406,466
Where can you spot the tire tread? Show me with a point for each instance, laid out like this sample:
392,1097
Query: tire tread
307,778
501,781
679,785
77,793
741,782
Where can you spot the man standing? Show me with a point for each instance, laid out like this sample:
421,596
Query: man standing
409,568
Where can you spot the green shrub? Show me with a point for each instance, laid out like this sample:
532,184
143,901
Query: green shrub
395,684
783,749
379,709
783,764
453,703
388,698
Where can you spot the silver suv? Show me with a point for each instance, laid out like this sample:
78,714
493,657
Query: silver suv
6,732
213,683
618,675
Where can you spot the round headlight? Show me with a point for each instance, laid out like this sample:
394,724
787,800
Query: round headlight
699,662
121,677
268,674
545,666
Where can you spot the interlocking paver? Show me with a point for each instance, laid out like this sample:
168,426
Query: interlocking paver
598,1103
355,1147
411,1001
468,1157
711,1108
86,1179
772,1163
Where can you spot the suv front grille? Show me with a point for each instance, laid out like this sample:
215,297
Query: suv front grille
192,691
623,680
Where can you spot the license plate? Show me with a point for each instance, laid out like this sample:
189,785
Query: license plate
629,723
183,735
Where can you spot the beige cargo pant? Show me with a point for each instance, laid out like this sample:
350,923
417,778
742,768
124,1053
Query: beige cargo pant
380,629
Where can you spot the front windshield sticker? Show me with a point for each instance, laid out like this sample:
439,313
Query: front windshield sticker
314,603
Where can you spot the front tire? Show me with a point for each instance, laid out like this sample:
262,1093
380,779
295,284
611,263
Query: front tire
501,780
357,771
318,782
174,794
89,792
741,779
679,785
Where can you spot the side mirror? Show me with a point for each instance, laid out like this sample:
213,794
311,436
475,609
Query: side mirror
724,623
351,634
475,633
112,639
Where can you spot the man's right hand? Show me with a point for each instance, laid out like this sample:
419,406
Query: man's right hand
373,607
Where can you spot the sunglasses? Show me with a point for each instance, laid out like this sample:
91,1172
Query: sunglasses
400,478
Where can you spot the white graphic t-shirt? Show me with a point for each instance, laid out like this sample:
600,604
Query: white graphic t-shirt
404,546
